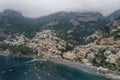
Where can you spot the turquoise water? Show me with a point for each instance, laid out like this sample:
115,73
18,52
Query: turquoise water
23,69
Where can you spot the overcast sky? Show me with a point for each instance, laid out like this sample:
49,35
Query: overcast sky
37,8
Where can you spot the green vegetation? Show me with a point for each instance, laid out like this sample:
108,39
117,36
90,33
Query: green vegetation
100,58
1,39
17,49
116,34
78,60
67,48
79,32
114,51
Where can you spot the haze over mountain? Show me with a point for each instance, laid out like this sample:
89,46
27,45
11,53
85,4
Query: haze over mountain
37,8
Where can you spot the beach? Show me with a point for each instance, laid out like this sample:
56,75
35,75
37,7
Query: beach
88,69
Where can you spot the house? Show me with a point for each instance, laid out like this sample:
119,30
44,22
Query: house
112,58
90,56
109,41
103,41
107,53
69,55
102,70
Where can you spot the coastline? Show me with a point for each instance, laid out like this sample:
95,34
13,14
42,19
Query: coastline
75,65
68,63
72,65
8,54
5,53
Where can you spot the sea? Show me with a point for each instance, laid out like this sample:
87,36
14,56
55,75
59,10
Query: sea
12,68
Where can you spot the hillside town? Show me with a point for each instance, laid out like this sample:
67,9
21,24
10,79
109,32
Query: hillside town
60,40
103,53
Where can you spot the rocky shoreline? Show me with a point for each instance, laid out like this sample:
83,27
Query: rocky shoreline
5,53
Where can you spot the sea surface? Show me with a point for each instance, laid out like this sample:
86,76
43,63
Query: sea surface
25,69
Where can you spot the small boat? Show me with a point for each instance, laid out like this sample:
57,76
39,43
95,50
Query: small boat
34,60
25,73
10,70
35,67
30,70
44,67
38,76
3,72
43,59
48,74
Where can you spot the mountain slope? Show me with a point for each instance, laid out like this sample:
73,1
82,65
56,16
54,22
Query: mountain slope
13,22
74,27
114,15
115,29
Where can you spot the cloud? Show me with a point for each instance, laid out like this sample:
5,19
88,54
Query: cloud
37,8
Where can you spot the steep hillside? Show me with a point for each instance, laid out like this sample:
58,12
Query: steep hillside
12,22
115,29
114,15
74,27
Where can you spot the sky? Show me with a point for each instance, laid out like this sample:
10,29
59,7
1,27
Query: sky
38,8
